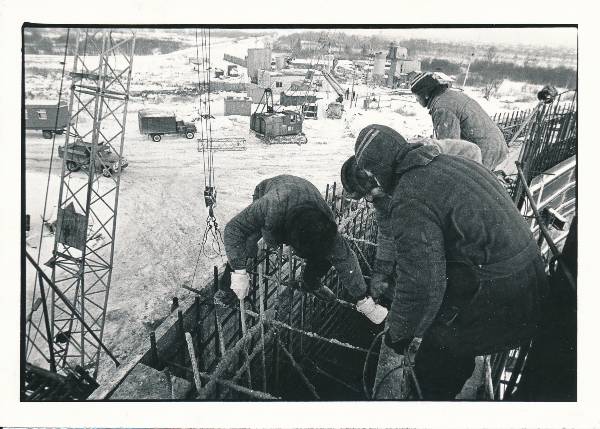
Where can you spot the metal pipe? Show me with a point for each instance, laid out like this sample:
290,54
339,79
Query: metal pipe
47,321
489,384
261,307
190,347
544,230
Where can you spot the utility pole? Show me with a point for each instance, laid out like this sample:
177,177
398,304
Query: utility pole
468,67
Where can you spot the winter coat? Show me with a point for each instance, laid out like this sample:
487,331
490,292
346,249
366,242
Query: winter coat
468,272
466,262
385,253
273,201
456,116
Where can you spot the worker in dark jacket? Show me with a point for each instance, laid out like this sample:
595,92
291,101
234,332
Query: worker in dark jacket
290,210
470,279
457,116
356,184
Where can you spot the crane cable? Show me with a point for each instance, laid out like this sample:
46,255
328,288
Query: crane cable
33,300
212,231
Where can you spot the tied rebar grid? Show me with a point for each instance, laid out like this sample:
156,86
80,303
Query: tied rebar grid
283,343
546,138
509,122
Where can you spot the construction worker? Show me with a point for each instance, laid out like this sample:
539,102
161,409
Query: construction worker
290,210
470,279
356,184
457,116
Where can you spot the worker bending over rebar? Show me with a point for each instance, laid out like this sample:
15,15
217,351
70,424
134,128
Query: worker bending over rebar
457,116
290,210
469,279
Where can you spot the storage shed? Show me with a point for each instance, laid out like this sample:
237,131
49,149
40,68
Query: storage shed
238,106
296,99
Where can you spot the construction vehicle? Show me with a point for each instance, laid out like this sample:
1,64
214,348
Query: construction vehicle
156,123
283,127
334,110
77,155
309,110
232,70
50,118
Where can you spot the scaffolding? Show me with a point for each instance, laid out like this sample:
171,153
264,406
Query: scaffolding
82,257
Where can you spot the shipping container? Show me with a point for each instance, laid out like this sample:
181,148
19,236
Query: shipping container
238,106
49,118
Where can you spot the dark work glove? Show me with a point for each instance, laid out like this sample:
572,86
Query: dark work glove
399,346
378,285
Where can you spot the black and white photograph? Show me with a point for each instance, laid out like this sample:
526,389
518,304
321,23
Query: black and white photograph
299,214
349,216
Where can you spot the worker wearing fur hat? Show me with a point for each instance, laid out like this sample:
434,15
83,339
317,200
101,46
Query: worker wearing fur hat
358,184
290,210
466,284
457,116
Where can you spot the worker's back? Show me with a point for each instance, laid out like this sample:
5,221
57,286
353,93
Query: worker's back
480,223
475,125
290,192
491,268
274,200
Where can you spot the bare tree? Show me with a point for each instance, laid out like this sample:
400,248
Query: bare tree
491,54
493,84
491,88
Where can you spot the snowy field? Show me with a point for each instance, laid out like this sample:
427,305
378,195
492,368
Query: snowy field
161,214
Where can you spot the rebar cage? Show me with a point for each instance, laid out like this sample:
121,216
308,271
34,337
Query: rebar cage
285,343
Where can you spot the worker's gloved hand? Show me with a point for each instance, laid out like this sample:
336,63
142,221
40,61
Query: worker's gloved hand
373,311
399,346
378,285
240,283
324,294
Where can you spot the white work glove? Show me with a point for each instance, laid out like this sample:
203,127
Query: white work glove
374,312
240,283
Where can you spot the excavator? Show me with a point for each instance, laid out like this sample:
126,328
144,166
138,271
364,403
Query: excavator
276,127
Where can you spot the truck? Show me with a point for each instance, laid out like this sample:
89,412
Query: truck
77,156
50,118
155,124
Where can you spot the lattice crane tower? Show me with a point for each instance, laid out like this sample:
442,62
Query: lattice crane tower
83,251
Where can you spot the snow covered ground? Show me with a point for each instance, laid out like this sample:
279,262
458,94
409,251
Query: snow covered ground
161,216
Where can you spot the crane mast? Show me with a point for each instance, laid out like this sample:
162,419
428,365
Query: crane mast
82,259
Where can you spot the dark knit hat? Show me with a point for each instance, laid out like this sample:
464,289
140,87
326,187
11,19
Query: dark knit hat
423,84
310,231
356,182
378,148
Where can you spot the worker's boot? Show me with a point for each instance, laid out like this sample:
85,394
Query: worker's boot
373,311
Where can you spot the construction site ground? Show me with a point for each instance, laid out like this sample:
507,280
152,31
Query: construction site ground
161,212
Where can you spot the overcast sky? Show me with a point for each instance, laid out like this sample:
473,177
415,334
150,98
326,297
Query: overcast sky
551,37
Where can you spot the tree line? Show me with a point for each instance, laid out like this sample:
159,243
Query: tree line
483,71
